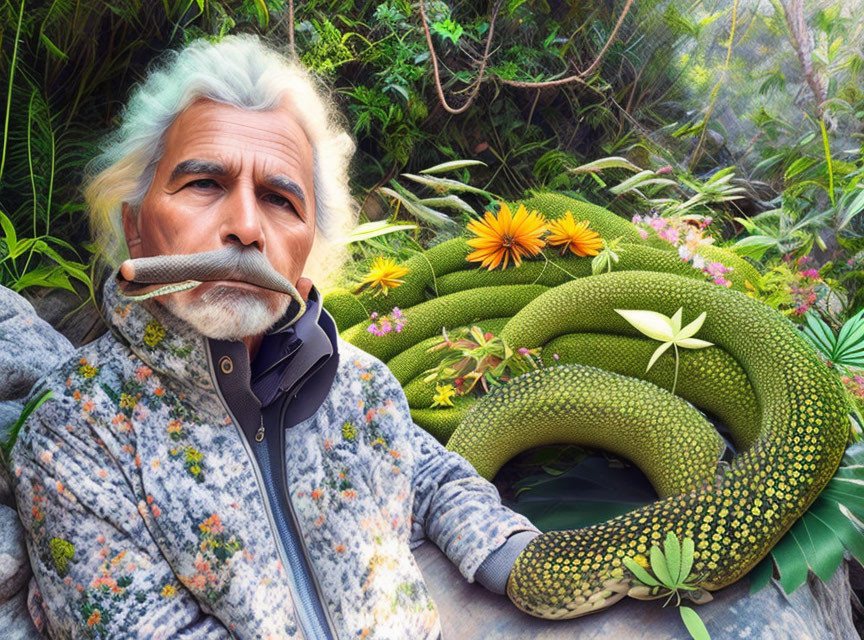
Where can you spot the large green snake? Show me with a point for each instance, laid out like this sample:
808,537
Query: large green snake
791,433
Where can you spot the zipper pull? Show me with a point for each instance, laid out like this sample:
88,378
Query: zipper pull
260,435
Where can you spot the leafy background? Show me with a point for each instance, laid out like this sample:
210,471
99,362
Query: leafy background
765,97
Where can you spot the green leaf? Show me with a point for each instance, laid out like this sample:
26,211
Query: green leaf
637,570
452,166
443,184
374,229
614,162
791,562
659,567
761,575
687,555
827,549
9,231
449,202
820,334
849,534
673,557
694,624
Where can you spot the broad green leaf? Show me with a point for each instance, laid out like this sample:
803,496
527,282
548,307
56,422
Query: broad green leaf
673,557
637,570
614,162
754,246
659,567
657,353
452,165
827,552
694,624
652,324
691,328
791,562
820,334
761,575
687,554
832,517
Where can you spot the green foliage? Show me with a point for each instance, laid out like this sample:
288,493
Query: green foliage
671,574
846,348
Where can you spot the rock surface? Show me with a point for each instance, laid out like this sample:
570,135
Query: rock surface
816,611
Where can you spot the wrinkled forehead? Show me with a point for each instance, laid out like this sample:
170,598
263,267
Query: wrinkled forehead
269,140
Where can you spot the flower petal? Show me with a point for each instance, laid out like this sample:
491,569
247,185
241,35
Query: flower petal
691,328
693,343
657,353
652,324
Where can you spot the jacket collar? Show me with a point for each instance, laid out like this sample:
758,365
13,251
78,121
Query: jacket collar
171,346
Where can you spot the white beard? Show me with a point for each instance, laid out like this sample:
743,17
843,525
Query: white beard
228,313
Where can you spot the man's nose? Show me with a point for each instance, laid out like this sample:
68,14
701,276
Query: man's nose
241,218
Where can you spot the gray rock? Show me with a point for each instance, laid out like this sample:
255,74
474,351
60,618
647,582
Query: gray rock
816,611
14,561
15,621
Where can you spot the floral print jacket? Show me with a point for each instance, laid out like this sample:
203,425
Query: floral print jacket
145,519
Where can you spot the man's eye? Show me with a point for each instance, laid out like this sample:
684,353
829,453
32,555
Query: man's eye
202,183
280,201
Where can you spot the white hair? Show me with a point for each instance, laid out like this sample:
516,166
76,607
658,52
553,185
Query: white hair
244,72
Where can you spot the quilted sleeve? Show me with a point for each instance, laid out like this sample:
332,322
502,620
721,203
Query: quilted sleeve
99,572
453,506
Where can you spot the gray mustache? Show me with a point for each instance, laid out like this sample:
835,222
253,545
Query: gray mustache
229,263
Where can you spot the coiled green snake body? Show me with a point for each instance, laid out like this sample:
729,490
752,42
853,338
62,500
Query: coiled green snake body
736,515
785,411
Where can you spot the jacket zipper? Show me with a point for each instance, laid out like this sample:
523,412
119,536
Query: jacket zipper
302,545
286,566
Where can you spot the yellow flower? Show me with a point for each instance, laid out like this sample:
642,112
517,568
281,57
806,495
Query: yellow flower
443,395
385,273
576,235
169,590
153,333
506,236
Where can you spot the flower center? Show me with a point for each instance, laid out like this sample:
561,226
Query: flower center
507,240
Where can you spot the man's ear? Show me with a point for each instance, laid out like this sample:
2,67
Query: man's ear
130,230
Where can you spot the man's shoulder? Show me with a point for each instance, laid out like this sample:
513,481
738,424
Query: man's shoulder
65,391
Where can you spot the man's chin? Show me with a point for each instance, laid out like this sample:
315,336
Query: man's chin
228,312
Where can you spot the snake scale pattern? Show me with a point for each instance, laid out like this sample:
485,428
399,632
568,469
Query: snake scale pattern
785,410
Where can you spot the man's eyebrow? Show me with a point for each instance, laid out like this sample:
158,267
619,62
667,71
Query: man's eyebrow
284,183
196,166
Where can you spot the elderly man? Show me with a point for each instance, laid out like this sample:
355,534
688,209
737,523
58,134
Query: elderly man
221,464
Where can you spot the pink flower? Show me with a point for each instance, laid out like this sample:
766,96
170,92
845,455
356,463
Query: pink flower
643,233
810,273
662,170
397,312
374,315
556,356
657,223
523,350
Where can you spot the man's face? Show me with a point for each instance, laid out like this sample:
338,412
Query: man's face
229,176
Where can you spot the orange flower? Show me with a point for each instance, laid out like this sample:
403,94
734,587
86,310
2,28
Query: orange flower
316,494
94,618
506,236
576,235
